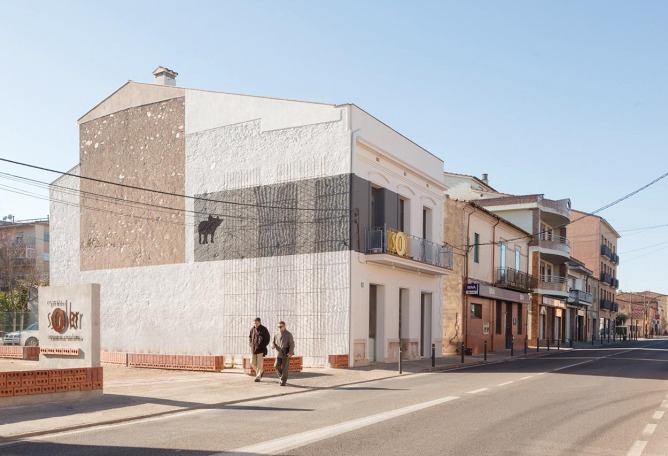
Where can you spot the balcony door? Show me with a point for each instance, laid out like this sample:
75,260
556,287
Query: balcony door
426,323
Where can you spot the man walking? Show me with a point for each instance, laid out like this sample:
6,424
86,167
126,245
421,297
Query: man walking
284,344
258,339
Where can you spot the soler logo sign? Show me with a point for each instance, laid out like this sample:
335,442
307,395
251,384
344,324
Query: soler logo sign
62,318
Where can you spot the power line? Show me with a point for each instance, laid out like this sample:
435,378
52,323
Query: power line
162,192
643,248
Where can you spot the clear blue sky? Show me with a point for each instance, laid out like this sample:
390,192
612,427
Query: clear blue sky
565,98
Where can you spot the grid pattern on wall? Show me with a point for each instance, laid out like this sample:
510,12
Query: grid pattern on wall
289,218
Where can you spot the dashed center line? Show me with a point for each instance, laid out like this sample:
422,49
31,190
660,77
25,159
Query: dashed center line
658,415
664,404
477,391
637,448
524,378
506,383
649,429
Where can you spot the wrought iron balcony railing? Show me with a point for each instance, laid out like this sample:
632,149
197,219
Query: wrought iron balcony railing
579,296
515,280
387,240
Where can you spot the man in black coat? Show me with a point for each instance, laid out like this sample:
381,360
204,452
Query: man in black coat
259,339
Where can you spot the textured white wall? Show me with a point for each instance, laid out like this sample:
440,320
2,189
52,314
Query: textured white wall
208,307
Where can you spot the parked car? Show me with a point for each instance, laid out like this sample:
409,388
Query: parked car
27,337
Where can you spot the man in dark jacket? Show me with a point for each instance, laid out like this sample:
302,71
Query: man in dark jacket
284,344
258,339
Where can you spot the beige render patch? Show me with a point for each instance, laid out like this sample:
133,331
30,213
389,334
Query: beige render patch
141,147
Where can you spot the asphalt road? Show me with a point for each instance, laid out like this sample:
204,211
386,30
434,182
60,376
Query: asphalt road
603,401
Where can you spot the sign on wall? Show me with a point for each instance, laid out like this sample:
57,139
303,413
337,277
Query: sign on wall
69,326
472,288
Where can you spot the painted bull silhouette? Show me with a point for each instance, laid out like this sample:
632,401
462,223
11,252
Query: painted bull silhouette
208,227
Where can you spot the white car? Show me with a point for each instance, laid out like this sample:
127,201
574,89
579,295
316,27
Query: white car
27,337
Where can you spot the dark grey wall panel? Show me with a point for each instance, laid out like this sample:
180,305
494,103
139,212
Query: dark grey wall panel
274,220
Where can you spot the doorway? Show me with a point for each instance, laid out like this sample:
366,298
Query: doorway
403,322
509,325
373,321
425,329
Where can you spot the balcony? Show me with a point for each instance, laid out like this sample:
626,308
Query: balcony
606,304
398,249
552,283
615,258
615,283
606,251
553,248
579,297
606,278
513,279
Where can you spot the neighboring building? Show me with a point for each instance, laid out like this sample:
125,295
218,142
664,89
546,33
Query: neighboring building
594,241
486,298
24,253
549,253
582,290
316,214
466,188
645,312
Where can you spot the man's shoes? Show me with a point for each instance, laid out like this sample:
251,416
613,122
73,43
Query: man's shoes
261,375
257,379
282,383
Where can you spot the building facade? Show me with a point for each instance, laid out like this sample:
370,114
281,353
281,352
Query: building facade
594,241
486,298
316,214
644,313
549,251
24,253
582,288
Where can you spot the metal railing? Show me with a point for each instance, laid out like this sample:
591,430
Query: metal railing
580,296
547,236
606,304
387,240
514,279
552,279
607,278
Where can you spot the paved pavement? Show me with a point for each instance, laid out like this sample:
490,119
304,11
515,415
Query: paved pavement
601,401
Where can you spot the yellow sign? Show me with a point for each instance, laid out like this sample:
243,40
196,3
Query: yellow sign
397,243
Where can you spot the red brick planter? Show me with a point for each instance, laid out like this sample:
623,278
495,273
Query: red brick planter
296,364
180,362
18,352
338,361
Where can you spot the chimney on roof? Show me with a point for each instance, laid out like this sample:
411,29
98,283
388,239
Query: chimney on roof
165,76
485,179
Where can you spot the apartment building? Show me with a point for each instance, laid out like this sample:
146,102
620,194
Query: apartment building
549,251
582,293
594,241
486,298
312,213
24,252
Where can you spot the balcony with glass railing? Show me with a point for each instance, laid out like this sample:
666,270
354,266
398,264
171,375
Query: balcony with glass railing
513,279
387,241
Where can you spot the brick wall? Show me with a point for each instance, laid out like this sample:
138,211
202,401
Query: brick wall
27,383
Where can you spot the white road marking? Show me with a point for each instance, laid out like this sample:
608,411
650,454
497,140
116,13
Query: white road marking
524,378
291,442
504,384
649,429
637,448
658,415
542,373
477,391
664,404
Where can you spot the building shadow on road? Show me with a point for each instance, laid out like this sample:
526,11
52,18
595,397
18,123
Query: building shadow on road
33,448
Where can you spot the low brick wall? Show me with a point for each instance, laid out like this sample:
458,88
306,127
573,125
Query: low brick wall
296,364
18,352
209,363
114,358
28,383
338,361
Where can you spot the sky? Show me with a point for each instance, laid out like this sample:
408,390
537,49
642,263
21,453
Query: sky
568,99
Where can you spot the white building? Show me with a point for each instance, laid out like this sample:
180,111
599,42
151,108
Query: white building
281,201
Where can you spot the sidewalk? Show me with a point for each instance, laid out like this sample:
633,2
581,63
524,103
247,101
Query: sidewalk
131,393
